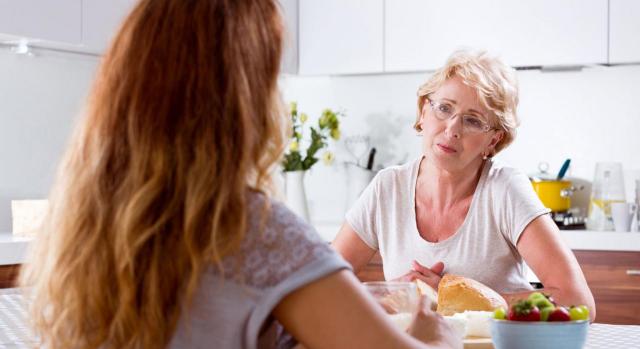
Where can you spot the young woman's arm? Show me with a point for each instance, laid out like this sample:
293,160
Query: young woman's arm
337,312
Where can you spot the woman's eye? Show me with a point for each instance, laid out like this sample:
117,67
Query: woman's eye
444,108
473,121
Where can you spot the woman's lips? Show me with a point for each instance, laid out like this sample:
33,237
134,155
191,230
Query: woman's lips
446,149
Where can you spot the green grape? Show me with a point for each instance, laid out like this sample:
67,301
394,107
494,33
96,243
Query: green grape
500,313
544,312
578,313
542,303
536,295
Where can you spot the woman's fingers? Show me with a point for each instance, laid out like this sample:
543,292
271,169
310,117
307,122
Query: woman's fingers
435,269
438,268
410,276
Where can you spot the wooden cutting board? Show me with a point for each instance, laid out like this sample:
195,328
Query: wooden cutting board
478,343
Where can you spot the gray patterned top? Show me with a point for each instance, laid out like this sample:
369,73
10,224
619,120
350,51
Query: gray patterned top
233,310
14,328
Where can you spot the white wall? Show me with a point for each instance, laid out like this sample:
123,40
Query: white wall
590,115
40,97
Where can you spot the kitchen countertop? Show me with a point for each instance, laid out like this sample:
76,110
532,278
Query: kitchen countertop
13,249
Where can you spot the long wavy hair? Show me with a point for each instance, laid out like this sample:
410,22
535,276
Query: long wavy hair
183,120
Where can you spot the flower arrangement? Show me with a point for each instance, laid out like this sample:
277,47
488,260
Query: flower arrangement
328,127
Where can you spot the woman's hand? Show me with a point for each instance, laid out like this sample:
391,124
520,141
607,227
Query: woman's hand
431,276
431,328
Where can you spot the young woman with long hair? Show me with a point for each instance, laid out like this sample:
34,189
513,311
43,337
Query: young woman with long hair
161,231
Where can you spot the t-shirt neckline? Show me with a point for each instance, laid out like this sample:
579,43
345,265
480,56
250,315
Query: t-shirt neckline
465,222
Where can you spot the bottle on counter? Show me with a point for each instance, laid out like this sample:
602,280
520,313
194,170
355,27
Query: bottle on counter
608,187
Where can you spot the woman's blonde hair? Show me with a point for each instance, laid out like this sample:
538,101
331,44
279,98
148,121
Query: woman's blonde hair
184,119
494,81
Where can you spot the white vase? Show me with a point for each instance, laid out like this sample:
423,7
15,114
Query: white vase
295,194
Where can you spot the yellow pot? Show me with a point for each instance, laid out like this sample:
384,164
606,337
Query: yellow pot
555,195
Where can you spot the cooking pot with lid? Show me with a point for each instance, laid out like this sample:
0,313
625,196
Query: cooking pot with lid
554,193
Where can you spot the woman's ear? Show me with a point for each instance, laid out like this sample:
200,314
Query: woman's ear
496,138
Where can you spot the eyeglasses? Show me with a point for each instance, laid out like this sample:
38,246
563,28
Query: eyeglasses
470,123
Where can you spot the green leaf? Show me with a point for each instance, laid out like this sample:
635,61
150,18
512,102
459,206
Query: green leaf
292,161
308,162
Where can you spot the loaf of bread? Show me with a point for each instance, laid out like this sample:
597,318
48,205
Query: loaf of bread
457,294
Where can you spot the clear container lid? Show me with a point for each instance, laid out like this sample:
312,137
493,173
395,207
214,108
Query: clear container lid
543,173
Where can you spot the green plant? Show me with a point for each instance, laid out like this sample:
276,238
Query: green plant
328,128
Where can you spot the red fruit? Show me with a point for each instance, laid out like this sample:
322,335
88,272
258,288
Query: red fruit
524,310
559,314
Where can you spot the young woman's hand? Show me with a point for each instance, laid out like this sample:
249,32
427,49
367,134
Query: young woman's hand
431,328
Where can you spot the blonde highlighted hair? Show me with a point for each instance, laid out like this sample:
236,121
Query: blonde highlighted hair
184,119
495,82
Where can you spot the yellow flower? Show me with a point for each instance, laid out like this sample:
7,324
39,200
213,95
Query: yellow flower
328,158
293,146
303,117
293,106
335,134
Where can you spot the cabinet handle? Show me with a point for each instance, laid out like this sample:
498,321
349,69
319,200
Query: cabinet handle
633,272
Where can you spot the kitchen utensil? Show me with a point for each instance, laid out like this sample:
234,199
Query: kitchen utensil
398,299
357,180
563,169
372,155
622,214
357,146
608,187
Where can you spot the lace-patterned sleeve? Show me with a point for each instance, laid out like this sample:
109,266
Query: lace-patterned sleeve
278,248
283,256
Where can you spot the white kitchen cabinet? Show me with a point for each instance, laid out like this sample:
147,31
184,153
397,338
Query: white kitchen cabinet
101,21
624,31
56,21
290,52
421,34
340,36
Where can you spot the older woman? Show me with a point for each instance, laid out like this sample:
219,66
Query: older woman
454,209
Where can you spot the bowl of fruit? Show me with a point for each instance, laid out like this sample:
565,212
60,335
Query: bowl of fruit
537,322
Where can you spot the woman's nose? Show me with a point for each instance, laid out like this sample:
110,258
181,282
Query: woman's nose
454,127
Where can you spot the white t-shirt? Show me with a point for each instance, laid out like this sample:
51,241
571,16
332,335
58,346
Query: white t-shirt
483,248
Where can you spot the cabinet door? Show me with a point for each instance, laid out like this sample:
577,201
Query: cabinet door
340,36
58,21
624,31
421,34
101,20
290,52
614,280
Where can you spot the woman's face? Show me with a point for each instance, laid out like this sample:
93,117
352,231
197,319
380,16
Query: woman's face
453,144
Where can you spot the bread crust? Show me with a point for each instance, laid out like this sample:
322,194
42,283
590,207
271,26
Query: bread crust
458,293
